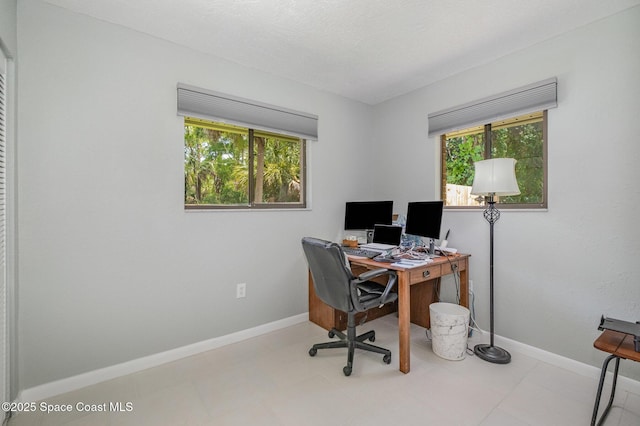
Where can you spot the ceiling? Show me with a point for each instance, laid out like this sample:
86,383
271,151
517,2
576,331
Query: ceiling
367,50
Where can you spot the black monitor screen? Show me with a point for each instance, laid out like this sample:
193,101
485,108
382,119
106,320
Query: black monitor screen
424,218
364,215
387,234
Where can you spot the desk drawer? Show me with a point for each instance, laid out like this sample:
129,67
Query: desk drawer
422,274
454,266
449,268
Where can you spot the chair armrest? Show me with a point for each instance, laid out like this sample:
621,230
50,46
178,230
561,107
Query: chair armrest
369,275
391,281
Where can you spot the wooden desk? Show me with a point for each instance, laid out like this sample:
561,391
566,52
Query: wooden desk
620,346
408,280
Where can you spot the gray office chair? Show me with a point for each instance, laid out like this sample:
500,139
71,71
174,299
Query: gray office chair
336,286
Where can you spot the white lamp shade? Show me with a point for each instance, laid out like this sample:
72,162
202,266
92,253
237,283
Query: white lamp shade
496,176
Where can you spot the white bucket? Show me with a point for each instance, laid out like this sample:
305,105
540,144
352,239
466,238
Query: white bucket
449,330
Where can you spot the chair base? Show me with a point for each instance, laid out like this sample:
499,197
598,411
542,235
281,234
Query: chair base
352,342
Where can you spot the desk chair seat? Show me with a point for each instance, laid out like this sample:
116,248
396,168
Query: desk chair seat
336,286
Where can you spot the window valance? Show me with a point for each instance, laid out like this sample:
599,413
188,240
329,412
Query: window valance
210,105
533,97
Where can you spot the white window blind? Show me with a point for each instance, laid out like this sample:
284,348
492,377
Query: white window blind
531,98
210,105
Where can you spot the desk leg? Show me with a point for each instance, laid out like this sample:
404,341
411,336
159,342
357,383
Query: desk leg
464,286
404,319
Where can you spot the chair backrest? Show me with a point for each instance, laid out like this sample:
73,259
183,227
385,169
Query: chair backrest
331,277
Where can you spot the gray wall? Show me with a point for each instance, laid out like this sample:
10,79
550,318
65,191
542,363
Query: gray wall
112,268
558,270
8,34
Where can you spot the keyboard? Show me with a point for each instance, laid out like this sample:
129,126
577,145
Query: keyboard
357,252
378,246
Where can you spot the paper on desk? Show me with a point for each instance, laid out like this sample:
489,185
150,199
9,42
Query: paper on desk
411,263
447,250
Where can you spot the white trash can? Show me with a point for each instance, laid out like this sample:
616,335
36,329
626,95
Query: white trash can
449,330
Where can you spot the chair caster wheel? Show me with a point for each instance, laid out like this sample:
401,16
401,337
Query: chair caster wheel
313,352
387,359
347,371
331,335
372,338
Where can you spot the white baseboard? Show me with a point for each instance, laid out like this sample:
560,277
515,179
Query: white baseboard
624,383
79,381
47,390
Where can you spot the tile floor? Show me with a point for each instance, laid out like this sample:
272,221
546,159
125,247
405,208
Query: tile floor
271,380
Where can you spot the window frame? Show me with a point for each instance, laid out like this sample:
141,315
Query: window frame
252,204
487,155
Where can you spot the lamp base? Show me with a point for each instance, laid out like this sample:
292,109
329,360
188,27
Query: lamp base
492,354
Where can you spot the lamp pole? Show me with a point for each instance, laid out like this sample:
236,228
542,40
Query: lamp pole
490,352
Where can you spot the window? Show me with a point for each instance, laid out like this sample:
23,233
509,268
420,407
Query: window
228,166
509,124
241,153
522,138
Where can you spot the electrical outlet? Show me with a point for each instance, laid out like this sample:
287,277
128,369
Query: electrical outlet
241,290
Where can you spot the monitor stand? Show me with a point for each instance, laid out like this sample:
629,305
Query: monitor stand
369,236
432,248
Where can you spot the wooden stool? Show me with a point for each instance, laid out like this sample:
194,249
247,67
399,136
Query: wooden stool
620,346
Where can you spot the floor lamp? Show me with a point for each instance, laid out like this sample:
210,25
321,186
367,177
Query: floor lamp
494,177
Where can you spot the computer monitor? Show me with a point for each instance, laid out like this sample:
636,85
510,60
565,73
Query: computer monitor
424,219
365,215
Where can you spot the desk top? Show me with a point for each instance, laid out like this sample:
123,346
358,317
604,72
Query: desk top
436,262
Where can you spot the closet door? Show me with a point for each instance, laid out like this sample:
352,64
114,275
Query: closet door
4,370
